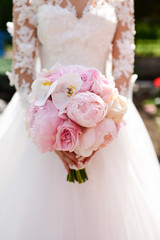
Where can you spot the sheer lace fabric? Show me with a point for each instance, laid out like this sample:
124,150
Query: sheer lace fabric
77,41
25,46
85,41
123,58
121,199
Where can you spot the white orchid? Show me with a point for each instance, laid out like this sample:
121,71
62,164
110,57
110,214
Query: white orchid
66,87
61,89
42,88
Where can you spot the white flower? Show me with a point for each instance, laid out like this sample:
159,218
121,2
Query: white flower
41,89
66,87
61,89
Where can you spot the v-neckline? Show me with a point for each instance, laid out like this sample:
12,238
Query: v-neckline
69,5
85,9
72,8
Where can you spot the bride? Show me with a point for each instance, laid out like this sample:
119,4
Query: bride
120,201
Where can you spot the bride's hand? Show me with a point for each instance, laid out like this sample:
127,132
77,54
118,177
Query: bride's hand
68,159
87,159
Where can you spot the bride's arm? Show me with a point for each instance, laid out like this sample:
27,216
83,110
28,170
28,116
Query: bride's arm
24,46
24,58
123,45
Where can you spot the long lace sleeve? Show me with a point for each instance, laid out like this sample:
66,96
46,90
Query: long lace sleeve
123,45
24,46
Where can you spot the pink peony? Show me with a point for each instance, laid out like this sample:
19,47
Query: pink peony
67,138
44,126
105,132
88,77
86,109
93,139
30,116
103,87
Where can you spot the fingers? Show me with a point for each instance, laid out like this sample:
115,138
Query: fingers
65,157
69,161
72,156
72,159
80,159
86,160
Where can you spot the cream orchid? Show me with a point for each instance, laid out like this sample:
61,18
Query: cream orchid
67,86
42,88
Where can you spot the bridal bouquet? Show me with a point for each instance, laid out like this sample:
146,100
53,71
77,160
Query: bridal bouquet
74,109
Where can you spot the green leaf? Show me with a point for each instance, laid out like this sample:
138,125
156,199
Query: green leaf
79,176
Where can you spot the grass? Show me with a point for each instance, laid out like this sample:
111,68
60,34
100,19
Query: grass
5,65
148,47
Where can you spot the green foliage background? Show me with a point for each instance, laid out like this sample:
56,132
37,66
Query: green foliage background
147,19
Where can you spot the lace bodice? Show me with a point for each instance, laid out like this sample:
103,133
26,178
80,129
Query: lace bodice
77,41
101,38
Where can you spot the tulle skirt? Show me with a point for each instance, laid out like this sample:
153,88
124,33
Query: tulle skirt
120,201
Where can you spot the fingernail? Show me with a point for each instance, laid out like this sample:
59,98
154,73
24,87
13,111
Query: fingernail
81,158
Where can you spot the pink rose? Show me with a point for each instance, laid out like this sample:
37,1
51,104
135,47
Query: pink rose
44,126
93,139
67,138
86,109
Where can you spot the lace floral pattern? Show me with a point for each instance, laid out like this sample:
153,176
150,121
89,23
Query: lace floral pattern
25,40
123,64
83,41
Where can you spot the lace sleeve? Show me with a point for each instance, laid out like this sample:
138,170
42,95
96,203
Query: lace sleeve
24,46
123,45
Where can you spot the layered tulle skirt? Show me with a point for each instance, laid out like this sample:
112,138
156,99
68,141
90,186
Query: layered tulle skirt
120,201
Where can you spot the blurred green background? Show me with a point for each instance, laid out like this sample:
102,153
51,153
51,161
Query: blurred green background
147,27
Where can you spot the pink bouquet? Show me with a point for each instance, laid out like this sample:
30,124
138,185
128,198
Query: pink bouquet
74,109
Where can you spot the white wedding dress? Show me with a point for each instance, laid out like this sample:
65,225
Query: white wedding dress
121,199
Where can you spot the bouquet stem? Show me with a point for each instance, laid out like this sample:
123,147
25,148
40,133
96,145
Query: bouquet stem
79,176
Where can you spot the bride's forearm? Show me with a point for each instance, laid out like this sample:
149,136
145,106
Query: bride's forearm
24,47
24,78
122,84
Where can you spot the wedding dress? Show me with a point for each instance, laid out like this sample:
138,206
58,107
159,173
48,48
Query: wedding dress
121,199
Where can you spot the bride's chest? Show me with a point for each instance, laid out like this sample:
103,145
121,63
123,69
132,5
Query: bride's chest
57,24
